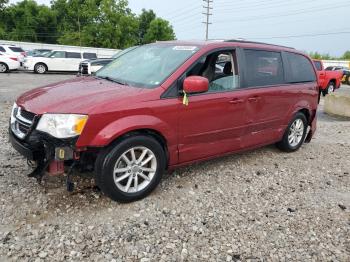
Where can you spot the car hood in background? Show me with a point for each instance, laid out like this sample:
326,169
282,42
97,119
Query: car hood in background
82,95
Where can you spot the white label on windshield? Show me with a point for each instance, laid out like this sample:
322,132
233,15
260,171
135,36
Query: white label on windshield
185,48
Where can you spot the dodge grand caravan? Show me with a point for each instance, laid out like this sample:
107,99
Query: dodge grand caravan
164,105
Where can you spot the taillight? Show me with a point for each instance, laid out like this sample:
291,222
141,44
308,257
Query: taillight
14,58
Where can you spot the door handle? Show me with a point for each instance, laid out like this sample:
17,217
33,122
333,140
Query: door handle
253,99
236,101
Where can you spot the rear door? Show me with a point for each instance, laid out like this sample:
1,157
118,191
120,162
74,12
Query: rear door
269,98
73,60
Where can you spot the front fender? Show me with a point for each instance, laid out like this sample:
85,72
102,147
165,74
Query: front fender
119,127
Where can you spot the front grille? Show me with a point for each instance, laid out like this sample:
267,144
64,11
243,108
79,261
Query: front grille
21,122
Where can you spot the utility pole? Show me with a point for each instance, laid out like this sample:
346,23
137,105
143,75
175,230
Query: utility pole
207,13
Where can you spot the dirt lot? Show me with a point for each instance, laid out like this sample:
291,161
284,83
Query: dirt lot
263,205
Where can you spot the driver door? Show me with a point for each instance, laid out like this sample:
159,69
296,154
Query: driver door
213,122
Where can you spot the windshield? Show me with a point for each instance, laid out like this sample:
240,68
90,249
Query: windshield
147,66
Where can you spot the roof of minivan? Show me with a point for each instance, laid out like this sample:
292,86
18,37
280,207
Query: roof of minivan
230,42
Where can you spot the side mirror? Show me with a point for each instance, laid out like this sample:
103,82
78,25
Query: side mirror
195,84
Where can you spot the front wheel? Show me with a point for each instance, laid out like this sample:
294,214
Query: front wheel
294,135
132,169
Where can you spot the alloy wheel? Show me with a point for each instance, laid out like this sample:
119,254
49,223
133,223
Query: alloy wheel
296,132
135,169
3,68
40,69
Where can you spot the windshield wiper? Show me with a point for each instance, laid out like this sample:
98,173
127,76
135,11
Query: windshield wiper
115,80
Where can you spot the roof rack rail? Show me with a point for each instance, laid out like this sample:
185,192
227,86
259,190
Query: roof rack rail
255,42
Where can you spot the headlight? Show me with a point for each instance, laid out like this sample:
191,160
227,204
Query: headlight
13,112
62,125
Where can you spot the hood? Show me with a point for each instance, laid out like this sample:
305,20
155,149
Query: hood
81,95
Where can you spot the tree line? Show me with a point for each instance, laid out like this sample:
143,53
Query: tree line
316,55
97,23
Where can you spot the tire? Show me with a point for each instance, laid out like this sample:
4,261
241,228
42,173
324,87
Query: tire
330,89
289,145
135,180
3,68
40,68
347,80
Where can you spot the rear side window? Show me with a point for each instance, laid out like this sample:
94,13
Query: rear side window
318,65
300,69
330,68
89,55
263,68
16,49
73,55
2,49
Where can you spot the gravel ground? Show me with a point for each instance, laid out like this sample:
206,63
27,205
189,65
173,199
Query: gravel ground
262,205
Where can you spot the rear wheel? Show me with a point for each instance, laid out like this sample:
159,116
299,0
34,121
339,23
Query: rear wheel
3,68
347,80
330,89
294,135
40,68
131,169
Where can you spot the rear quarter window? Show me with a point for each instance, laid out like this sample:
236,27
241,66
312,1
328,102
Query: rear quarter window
16,49
300,69
263,68
2,49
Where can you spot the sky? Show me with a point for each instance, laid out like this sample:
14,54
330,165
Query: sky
308,25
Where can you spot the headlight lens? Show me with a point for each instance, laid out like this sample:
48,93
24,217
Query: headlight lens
62,125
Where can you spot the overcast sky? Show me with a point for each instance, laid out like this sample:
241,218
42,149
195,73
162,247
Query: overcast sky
309,25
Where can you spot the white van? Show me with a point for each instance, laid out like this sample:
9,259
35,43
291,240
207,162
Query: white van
57,60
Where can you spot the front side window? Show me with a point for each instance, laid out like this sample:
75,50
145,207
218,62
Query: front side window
58,54
73,55
263,68
147,66
89,55
220,68
300,69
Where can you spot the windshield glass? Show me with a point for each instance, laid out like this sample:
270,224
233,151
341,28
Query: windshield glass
147,66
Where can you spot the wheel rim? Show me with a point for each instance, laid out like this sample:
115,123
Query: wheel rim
331,89
40,69
296,132
135,169
3,68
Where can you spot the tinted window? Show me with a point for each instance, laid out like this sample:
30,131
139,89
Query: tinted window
73,55
263,68
58,54
89,55
16,49
330,68
2,49
300,69
318,65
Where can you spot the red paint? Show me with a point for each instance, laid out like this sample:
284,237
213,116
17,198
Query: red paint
213,124
325,77
195,84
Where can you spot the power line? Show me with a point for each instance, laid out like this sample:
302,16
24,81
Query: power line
207,13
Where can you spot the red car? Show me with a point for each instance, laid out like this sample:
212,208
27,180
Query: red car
329,81
164,105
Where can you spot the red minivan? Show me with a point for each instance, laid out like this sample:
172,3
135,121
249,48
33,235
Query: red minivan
163,105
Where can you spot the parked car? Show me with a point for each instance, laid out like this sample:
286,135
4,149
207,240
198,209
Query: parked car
8,63
91,66
38,52
13,51
345,70
56,61
328,81
162,105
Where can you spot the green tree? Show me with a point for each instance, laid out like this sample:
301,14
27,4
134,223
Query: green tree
145,19
346,55
159,29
